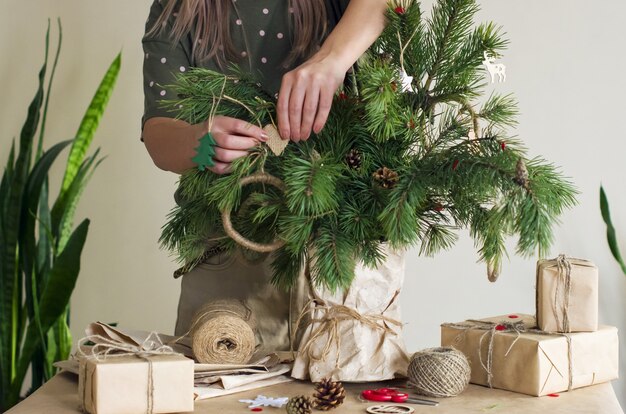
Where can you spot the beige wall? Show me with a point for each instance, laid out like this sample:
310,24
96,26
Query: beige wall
565,64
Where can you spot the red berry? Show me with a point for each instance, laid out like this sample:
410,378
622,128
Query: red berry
438,207
500,328
503,145
455,164
411,123
343,96
399,10
553,395
513,316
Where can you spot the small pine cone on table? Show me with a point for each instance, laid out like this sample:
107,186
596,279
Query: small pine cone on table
299,404
386,177
328,394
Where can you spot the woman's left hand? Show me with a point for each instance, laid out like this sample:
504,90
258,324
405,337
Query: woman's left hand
305,97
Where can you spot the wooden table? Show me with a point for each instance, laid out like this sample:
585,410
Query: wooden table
59,396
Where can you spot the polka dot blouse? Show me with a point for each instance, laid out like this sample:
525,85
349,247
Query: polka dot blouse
259,31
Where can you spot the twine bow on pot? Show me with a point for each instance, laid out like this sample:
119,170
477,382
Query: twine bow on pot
328,320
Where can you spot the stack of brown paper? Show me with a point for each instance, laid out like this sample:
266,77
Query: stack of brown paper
532,362
582,300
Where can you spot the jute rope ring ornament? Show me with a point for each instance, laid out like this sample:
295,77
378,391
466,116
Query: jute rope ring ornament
258,178
390,409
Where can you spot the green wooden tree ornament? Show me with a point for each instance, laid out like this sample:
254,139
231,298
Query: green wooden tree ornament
205,152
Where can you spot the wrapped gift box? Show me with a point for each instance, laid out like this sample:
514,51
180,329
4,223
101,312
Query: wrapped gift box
128,384
532,362
553,301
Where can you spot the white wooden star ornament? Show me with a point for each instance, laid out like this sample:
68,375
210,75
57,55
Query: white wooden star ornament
406,80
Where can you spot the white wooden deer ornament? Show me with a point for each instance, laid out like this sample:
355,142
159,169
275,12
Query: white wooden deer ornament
494,68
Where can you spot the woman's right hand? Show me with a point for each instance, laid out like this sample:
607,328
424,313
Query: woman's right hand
233,138
172,143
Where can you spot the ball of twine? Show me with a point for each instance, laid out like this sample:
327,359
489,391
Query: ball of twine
222,332
439,372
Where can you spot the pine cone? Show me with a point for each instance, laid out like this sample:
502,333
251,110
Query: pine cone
521,174
386,177
299,405
353,159
328,394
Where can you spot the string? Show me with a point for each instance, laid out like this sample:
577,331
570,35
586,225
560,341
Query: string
560,305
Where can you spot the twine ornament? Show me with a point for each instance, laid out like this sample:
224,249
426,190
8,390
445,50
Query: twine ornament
439,372
223,332
274,141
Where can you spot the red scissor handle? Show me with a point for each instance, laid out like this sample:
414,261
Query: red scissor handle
372,395
385,394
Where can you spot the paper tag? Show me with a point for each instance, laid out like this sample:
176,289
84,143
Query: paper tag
275,142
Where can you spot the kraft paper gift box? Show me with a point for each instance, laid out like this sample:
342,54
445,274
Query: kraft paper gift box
533,362
129,384
559,310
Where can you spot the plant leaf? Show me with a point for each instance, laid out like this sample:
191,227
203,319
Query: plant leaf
10,289
610,230
54,299
89,123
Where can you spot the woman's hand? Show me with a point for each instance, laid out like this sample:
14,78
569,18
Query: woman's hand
233,138
305,97
172,143
306,93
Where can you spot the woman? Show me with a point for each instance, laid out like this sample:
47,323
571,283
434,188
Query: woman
302,50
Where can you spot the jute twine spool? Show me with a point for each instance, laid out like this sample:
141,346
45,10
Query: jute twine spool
439,372
222,332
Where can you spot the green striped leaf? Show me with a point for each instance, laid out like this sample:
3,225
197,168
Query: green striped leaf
90,122
65,207
10,288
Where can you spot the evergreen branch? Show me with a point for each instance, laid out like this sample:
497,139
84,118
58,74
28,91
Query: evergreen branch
286,266
449,22
311,185
335,211
333,257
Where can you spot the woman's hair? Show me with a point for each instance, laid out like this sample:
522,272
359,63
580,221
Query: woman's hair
210,22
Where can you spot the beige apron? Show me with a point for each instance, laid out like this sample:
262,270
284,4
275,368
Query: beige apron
228,276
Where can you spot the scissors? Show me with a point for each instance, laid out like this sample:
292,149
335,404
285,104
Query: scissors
385,395
391,395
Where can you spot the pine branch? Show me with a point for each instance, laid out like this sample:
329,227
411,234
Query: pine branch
311,185
332,256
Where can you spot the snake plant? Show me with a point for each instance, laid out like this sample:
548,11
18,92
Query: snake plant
40,247
610,230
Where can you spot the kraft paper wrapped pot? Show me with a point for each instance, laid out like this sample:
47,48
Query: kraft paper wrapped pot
355,336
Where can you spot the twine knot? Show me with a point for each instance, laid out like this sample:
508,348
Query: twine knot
328,321
560,304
